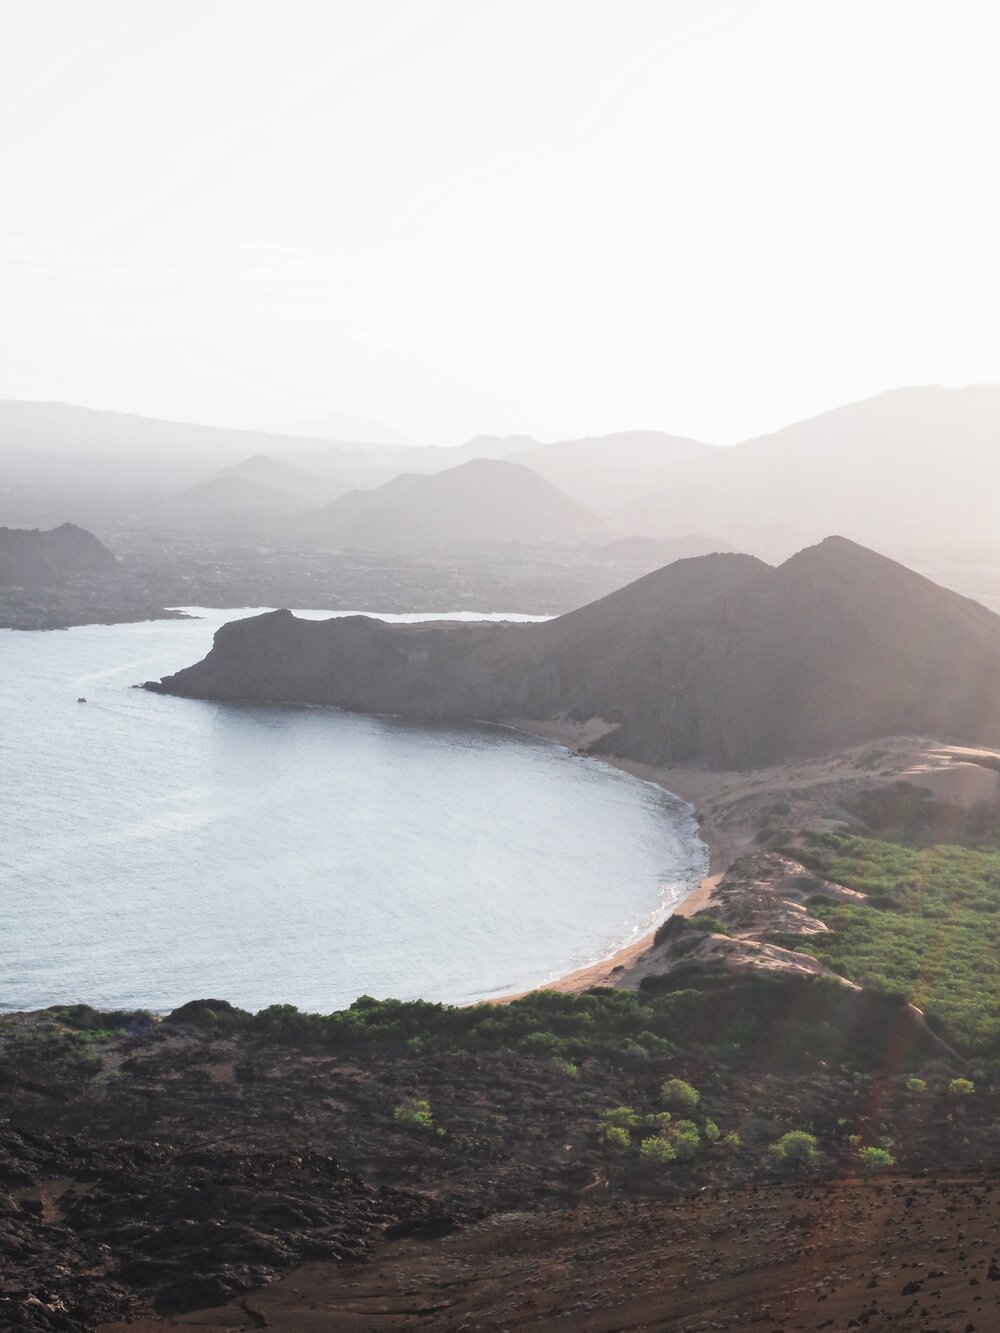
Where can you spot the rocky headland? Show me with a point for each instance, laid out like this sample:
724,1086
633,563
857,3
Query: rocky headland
719,660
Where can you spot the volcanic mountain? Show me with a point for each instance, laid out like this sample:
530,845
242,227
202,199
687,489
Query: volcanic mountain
721,660
31,558
479,503
286,478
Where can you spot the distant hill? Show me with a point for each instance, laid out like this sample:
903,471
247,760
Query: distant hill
890,469
31,558
606,471
373,464
721,660
479,503
231,501
286,478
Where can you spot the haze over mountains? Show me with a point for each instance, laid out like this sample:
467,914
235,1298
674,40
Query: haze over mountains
344,426
910,465
910,468
606,471
286,478
721,659
479,503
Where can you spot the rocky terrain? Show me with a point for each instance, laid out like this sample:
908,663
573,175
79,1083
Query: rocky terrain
906,1254
721,660
161,1171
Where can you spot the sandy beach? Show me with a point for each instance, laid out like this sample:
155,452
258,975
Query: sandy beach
728,805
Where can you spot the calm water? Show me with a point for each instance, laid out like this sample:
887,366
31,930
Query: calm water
154,850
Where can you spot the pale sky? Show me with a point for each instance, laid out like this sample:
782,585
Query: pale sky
558,217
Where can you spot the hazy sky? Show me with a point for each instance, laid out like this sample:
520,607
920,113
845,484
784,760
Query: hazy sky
555,216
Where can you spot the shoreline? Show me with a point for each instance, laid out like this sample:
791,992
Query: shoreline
731,807
692,786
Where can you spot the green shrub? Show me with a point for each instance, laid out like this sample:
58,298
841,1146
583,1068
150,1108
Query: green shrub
657,1151
566,1067
961,1087
874,1160
796,1151
675,1092
620,1117
615,1136
711,925
711,1131
657,1121
543,1043
733,1141
684,1138
414,1114
916,1085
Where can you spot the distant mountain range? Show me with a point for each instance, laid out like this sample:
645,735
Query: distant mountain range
479,503
344,426
910,465
720,659
131,450
907,467
30,558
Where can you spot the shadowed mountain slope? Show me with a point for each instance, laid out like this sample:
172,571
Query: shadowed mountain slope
721,659
478,503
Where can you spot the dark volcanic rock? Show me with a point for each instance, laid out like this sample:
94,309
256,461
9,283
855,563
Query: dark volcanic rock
178,1228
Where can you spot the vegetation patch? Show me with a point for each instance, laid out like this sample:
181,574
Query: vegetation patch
929,933
792,1022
